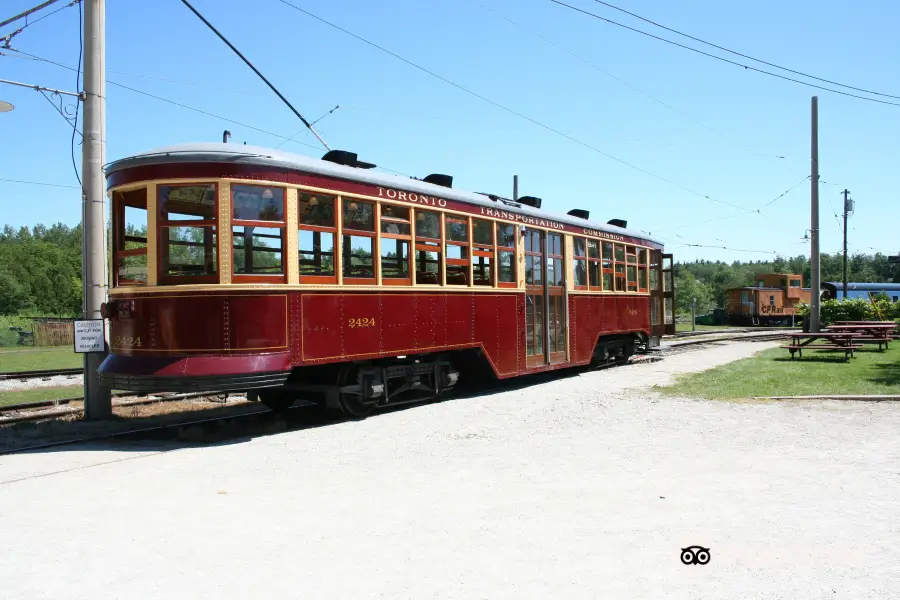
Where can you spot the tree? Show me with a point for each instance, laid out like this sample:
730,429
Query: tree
13,297
688,287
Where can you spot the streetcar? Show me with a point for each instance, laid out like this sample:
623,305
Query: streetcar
241,268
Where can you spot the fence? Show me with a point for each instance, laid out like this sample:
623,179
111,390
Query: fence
52,332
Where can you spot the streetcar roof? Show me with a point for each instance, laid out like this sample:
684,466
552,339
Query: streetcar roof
219,152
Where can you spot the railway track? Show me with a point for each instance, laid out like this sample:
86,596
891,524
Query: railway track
29,407
303,413
40,374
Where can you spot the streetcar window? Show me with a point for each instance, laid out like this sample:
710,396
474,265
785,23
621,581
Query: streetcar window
358,257
593,247
187,235
394,259
607,266
257,250
506,254
129,221
506,235
579,246
642,269
555,274
358,215
395,242
316,253
257,230
394,219
316,238
631,269
483,252
534,268
358,241
457,232
428,247
316,210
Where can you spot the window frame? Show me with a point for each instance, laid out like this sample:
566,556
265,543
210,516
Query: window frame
583,259
514,249
162,244
282,225
336,246
376,247
408,238
598,260
624,271
421,245
643,267
485,251
457,262
631,261
120,238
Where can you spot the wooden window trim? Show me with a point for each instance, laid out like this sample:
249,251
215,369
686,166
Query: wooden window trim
162,248
120,237
282,225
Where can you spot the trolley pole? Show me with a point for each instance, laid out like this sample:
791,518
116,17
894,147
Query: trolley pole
847,208
815,264
97,402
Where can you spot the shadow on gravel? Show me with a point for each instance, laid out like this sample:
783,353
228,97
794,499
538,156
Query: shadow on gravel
226,425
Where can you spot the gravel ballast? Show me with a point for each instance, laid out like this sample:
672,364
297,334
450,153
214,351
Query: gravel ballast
584,487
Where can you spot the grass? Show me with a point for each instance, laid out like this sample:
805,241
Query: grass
773,373
40,394
34,359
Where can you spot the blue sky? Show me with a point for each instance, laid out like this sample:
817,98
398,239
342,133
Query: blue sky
405,120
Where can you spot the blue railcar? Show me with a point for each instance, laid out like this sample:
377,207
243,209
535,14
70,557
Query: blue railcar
835,289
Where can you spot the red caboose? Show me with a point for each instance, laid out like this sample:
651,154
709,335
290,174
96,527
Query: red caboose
244,268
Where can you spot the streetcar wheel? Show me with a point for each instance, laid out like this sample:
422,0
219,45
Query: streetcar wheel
276,400
352,405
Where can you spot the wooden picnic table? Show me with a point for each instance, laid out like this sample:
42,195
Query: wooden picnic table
835,341
878,332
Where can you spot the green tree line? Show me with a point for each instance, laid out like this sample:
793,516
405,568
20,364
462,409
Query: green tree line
708,281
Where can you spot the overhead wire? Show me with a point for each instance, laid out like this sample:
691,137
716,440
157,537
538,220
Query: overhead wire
77,102
620,80
38,183
6,39
719,58
696,39
506,108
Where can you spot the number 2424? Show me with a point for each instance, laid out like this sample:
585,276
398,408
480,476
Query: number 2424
362,322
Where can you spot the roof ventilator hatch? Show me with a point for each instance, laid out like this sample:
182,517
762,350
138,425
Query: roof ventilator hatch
618,223
441,180
342,157
580,213
529,201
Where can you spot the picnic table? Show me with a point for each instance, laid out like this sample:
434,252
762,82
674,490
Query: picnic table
834,341
872,332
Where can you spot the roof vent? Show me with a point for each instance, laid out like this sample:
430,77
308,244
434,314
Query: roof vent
618,223
342,157
441,180
529,201
580,213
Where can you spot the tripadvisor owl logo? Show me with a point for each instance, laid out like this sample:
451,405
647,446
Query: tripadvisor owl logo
695,555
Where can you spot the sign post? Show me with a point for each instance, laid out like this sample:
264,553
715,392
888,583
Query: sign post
90,336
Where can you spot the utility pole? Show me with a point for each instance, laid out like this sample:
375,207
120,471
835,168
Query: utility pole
515,187
815,264
97,403
848,208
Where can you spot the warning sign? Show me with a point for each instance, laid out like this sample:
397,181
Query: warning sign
89,336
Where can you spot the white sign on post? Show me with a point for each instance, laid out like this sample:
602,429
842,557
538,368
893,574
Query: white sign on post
89,336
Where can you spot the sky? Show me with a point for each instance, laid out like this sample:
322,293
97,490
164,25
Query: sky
665,138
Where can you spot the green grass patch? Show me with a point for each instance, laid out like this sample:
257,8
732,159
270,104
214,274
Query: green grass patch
773,373
40,394
35,359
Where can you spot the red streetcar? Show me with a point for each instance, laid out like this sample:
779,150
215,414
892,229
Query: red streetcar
244,268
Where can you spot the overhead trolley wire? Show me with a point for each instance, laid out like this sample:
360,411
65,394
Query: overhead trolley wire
6,39
720,58
622,81
257,71
696,39
506,108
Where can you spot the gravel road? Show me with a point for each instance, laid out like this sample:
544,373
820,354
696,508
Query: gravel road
584,487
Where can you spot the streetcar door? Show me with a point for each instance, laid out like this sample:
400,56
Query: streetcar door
555,299
535,315
668,293
657,315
